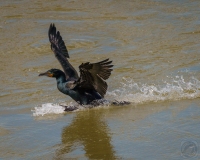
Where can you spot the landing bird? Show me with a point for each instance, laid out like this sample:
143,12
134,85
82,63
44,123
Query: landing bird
87,87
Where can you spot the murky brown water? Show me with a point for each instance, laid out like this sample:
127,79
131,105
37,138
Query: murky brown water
155,47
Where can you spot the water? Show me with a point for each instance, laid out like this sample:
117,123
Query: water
154,46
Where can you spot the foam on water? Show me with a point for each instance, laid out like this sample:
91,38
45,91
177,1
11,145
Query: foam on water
48,108
175,89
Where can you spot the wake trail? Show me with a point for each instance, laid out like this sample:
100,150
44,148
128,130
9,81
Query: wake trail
129,91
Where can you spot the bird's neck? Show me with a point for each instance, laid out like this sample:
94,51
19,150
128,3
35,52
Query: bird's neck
61,79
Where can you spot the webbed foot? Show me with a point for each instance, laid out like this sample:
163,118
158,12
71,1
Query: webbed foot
120,103
69,108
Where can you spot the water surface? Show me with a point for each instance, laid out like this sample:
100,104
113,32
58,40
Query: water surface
154,45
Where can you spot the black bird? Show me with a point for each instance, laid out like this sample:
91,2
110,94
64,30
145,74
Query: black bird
90,85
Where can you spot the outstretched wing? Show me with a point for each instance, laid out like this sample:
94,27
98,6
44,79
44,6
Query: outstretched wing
93,76
61,53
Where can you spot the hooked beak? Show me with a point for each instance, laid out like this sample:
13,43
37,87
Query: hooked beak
48,74
43,74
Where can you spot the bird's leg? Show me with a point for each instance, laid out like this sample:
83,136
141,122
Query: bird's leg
69,108
120,103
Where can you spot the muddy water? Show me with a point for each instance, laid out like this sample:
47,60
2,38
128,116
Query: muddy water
155,48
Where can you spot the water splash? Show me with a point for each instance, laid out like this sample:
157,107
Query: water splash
176,89
48,108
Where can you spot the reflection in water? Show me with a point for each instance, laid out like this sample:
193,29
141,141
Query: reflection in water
87,129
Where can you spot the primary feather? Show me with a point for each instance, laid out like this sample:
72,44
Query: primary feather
60,51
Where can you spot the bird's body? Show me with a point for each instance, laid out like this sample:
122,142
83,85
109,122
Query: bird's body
90,85
80,96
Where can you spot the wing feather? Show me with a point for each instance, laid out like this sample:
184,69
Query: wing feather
93,76
61,52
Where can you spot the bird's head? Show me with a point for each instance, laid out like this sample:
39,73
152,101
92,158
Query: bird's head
52,73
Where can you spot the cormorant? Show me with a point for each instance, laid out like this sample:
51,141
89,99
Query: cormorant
90,85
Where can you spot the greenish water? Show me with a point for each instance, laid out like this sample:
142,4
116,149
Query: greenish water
154,45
